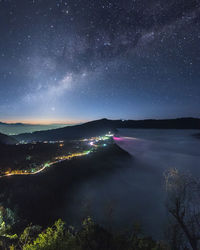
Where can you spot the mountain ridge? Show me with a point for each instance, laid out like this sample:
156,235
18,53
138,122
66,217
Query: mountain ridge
102,126
8,140
13,124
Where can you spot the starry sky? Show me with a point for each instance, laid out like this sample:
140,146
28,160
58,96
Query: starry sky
79,60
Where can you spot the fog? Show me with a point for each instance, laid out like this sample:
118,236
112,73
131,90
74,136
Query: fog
116,189
135,193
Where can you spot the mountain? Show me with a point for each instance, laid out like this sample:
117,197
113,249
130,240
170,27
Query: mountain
19,128
8,140
12,124
88,129
100,127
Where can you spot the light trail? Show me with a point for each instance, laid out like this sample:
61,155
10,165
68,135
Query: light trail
46,165
58,159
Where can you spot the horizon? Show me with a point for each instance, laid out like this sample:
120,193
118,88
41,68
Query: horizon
33,122
70,123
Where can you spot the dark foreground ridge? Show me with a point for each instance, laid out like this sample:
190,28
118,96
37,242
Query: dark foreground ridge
8,140
102,126
57,185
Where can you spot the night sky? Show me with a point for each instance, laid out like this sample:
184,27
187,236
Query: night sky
79,60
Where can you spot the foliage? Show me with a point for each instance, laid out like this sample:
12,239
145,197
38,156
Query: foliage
183,204
51,238
7,220
90,237
28,235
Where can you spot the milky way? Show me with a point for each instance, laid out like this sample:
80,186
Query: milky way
80,60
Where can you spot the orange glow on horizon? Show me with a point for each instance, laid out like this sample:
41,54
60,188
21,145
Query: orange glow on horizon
42,122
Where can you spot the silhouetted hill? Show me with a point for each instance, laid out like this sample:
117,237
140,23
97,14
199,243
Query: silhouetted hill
88,129
179,123
100,127
12,124
5,139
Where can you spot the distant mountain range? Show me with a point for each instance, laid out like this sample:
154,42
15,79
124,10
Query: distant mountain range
13,124
100,127
8,140
19,128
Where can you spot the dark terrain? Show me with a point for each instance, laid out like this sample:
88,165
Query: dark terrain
99,127
27,156
43,198
8,140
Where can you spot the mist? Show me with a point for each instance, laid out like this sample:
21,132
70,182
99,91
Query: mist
135,192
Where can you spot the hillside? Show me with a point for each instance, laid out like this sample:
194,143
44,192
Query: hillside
88,129
99,127
8,140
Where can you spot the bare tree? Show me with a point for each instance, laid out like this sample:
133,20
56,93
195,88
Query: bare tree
183,203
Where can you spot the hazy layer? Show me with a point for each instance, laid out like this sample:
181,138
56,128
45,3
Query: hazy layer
136,192
27,128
